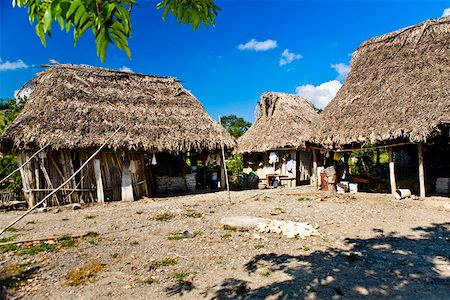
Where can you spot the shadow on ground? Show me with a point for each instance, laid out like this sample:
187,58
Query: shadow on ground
386,266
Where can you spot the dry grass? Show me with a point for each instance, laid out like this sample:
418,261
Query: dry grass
87,273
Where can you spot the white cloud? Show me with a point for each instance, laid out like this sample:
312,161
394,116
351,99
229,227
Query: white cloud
319,95
12,65
258,46
126,69
288,57
446,12
342,70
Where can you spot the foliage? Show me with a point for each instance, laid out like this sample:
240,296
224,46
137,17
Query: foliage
9,109
364,161
165,262
234,125
235,164
109,20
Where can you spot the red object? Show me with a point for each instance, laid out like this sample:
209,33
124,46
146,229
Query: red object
323,182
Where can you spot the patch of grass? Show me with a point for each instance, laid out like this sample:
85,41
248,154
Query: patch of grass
181,276
8,248
31,222
226,236
164,217
240,289
35,249
114,255
66,241
92,234
175,237
165,262
134,243
147,281
15,274
235,229
87,273
301,199
8,239
259,246
280,210
219,262
306,248
190,213
12,229
87,217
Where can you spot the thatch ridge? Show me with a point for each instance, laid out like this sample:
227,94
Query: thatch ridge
398,89
283,121
74,107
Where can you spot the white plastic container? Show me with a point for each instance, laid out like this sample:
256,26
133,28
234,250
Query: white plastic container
353,187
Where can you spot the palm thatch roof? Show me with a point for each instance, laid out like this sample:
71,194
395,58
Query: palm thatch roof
398,89
283,121
75,107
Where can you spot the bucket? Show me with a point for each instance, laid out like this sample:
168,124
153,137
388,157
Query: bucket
340,188
402,194
353,187
261,185
345,185
214,176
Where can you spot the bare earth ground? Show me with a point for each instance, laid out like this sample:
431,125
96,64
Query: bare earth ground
372,246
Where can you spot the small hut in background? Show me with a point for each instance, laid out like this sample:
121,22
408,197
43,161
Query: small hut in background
397,95
275,145
73,109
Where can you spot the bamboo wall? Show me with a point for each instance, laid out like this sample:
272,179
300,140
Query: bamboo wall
111,176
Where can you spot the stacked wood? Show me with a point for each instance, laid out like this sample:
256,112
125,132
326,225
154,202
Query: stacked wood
166,184
191,182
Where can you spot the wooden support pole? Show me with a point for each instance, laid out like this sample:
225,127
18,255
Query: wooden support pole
392,171
421,171
315,179
98,180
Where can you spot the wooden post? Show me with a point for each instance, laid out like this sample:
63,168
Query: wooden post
314,177
127,184
346,165
98,179
392,171
421,171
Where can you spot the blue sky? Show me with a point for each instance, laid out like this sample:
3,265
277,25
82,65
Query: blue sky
256,46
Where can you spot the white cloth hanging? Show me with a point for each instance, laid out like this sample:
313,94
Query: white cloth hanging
154,162
290,165
273,158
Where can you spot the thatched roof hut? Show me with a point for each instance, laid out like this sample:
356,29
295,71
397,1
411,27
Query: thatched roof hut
283,121
72,107
398,90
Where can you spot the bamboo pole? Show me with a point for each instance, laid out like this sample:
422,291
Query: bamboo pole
224,164
63,184
28,160
421,171
392,171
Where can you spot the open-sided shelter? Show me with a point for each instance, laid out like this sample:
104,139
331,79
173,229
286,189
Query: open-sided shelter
73,109
276,143
397,94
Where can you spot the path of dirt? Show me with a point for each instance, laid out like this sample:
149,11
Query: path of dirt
372,246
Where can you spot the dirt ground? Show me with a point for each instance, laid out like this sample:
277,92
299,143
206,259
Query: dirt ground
371,246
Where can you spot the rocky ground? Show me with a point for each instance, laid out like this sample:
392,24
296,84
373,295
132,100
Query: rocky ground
371,246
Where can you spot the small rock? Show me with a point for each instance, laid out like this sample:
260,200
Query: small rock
76,206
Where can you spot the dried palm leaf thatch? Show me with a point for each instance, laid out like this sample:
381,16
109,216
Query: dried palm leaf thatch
398,89
73,107
283,121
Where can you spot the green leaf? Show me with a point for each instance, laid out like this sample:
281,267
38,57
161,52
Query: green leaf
48,19
73,7
60,22
40,33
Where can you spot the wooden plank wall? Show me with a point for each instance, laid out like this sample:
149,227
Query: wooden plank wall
49,170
